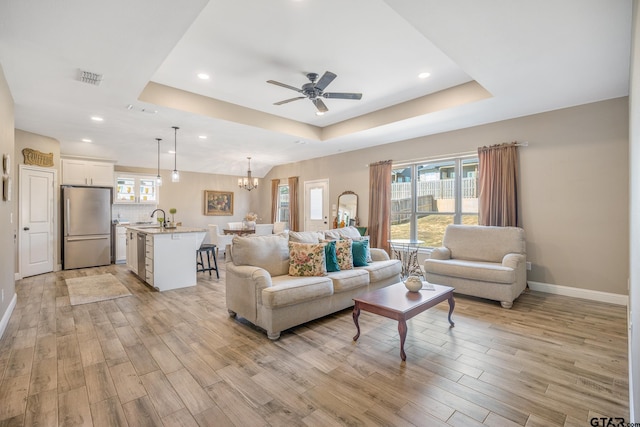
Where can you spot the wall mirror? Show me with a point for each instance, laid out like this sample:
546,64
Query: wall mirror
347,209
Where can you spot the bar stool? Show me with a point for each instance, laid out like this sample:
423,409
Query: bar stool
210,252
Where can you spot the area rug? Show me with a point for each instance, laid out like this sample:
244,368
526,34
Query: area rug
85,290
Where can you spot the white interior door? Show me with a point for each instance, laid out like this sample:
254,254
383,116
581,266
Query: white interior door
316,205
37,223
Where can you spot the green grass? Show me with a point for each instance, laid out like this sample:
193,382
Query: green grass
430,228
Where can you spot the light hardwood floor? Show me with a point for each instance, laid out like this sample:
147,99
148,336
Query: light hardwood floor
177,358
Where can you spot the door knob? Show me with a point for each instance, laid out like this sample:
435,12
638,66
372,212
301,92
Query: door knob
26,229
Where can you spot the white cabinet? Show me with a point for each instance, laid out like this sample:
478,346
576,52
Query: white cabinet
132,188
87,172
121,244
132,250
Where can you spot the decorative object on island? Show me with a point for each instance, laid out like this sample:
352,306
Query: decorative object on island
175,175
218,202
158,178
248,183
173,211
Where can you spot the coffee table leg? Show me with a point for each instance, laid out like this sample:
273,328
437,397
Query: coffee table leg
402,329
452,304
356,314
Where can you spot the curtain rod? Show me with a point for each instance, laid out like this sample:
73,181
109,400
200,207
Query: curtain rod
448,156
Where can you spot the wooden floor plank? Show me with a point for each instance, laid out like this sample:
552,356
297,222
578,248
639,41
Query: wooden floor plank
177,358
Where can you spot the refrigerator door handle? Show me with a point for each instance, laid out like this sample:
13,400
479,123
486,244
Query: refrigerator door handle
67,213
77,239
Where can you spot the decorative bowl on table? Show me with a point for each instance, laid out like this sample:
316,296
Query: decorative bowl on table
413,283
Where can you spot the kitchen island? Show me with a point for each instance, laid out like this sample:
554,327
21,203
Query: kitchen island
164,258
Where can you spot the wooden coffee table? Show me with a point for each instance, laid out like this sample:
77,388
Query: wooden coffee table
396,302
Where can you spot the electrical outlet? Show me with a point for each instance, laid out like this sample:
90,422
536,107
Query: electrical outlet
528,266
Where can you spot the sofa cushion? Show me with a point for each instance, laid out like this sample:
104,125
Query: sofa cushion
268,252
350,232
332,235
348,279
307,259
472,270
288,290
331,258
344,255
382,270
359,252
483,243
305,236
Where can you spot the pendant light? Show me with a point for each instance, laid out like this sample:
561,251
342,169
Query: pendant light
158,178
248,183
175,175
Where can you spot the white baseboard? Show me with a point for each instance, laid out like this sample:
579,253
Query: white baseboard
7,315
579,293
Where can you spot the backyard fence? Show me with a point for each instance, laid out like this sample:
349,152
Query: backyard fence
429,195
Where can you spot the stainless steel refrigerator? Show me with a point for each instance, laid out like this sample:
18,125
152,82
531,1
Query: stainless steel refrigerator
86,226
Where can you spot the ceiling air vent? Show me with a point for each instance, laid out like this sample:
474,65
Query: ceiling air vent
89,77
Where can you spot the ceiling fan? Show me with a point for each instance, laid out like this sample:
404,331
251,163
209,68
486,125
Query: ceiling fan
315,91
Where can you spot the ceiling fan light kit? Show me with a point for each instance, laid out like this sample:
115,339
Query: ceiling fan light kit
315,91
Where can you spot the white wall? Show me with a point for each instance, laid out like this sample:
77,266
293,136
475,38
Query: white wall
634,194
574,187
8,229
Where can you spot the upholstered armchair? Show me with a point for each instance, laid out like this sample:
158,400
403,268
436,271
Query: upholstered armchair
220,240
486,262
264,229
279,227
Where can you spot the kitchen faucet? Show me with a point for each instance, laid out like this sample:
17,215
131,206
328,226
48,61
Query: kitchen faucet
163,224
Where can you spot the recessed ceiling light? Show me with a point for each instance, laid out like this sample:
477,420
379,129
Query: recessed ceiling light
203,76
319,113
97,119
203,137
424,75
171,152
86,140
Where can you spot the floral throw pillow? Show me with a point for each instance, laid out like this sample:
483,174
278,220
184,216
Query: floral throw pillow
307,259
344,254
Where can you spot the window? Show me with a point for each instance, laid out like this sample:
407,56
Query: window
428,196
283,204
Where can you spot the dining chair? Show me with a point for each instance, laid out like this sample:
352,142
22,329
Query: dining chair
220,240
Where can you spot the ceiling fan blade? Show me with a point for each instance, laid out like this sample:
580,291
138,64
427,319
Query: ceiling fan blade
273,82
324,81
320,105
289,100
339,95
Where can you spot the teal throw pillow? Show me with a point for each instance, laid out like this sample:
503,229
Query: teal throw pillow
331,258
359,250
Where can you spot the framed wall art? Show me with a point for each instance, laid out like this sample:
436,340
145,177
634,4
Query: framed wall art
6,188
218,202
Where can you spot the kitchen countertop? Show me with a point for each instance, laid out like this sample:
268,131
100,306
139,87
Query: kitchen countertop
159,230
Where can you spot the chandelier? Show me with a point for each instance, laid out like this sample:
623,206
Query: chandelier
248,183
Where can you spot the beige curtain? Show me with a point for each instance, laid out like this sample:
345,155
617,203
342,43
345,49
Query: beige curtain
293,204
274,199
498,185
380,204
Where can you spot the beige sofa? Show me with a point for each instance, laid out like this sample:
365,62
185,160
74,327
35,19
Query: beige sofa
259,288
486,262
